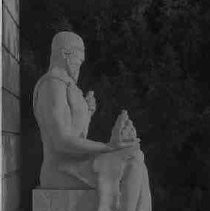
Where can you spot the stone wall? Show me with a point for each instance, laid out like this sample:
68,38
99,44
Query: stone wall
10,106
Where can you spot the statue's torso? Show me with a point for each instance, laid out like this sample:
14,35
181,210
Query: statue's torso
79,111
52,174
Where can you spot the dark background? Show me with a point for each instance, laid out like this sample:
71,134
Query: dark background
151,57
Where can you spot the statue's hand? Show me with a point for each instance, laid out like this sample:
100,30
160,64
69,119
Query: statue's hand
126,143
91,101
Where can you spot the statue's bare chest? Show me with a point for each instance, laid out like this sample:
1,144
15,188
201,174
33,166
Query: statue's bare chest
78,107
76,100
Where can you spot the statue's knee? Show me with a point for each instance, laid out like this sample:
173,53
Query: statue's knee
137,157
136,164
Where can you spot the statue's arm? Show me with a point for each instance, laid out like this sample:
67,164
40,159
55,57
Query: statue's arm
60,124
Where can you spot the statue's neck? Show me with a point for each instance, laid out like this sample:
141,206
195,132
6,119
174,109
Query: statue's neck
62,73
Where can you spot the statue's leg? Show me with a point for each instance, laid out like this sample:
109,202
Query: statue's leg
135,186
108,191
109,167
144,202
131,184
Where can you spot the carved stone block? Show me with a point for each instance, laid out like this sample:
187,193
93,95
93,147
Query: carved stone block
13,7
10,36
11,73
11,192
11,153
10,112
64,200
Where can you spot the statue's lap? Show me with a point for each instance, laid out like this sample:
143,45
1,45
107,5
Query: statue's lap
84,174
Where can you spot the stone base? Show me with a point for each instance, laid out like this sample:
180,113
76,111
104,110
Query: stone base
64,200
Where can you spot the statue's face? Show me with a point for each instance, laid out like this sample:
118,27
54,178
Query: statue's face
74,58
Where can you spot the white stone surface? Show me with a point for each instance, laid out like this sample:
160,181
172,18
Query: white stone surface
11,153
63,115
10,36
13,7
11,73
11,192
10,112
64,200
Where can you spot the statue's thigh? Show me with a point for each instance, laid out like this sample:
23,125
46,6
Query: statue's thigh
112,164
87,172
80,170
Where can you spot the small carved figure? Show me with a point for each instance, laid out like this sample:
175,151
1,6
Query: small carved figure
123,129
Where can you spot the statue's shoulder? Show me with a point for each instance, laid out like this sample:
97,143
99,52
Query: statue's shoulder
54,77
57,76
47,82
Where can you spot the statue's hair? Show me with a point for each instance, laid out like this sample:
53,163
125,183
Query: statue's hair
67,40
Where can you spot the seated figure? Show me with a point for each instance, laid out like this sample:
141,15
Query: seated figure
72,161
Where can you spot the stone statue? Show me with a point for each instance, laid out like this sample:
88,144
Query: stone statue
72,161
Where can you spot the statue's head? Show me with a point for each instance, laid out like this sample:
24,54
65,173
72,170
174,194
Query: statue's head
68,51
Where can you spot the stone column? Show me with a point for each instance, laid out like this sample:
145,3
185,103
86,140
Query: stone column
10,145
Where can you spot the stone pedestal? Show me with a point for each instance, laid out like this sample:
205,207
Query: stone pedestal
64,200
